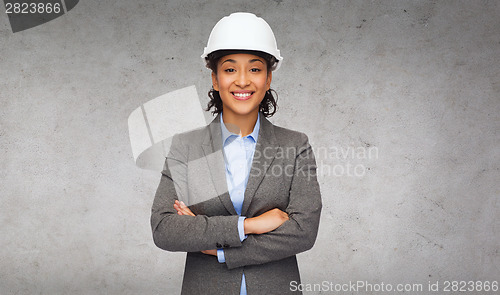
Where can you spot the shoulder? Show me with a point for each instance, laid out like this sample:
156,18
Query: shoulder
293,143
185,143
191,137
289,137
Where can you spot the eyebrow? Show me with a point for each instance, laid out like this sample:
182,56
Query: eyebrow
250,61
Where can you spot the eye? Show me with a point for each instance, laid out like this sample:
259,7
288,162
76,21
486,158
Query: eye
229,70
255,70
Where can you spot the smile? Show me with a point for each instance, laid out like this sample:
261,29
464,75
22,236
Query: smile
242,95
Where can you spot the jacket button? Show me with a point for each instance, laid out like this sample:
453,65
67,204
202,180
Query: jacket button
226,246
218,245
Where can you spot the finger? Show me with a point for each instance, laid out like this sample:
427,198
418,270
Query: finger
186,209
181,205
188,212
177,208
181,211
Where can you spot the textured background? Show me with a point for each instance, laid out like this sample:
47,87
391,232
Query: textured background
419,81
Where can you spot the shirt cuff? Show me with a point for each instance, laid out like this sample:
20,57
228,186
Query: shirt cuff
241,228
220,256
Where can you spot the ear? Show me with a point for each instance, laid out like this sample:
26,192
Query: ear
214,82
269,79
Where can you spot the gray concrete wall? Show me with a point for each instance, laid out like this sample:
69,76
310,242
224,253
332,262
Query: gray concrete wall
417,83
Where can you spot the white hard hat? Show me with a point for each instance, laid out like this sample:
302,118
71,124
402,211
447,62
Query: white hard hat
245,31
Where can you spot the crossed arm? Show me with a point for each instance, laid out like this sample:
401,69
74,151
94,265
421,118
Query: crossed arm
272,236
261,224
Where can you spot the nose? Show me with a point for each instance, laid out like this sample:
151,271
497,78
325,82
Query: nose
242,79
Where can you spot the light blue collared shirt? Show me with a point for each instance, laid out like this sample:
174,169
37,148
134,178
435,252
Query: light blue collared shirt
238,155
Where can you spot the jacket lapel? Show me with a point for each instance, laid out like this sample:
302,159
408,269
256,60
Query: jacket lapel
265,152
212,149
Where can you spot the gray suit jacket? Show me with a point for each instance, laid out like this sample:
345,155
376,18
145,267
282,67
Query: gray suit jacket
283,175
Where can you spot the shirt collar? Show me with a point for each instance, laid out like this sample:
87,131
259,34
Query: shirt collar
226,133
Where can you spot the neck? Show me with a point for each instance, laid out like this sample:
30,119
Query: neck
242,125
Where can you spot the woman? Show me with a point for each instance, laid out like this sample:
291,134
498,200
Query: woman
253,201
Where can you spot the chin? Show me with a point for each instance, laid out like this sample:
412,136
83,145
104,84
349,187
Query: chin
244,113
240,108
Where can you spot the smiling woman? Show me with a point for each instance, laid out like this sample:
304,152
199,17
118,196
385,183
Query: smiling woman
259,60
244,223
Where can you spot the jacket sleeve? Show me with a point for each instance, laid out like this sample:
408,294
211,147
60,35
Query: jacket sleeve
175,232
295,235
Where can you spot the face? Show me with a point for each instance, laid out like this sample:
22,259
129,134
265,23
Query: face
242,81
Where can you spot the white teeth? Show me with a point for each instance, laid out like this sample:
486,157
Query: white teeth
247,94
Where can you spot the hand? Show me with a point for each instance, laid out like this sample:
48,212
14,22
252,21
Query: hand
210,252
265,222
182,209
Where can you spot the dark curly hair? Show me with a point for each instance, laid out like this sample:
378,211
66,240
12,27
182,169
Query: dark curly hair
268,105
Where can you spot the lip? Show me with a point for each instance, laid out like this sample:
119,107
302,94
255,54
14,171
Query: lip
242,98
